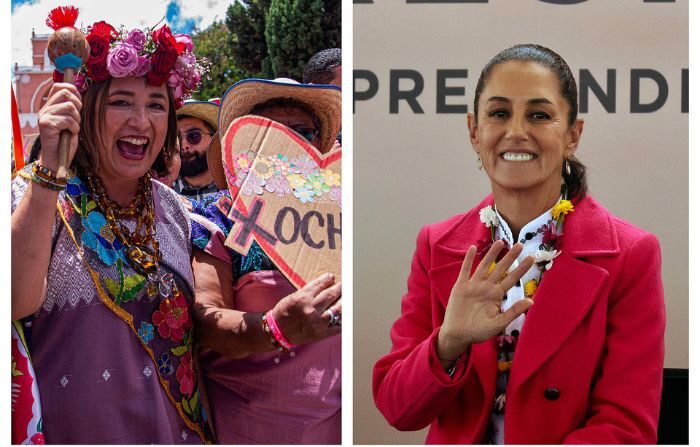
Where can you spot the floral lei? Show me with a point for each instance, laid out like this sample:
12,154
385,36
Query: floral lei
544,259
158,54
551,242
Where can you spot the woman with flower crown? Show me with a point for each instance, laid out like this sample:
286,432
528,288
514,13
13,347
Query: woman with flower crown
537,317
101,262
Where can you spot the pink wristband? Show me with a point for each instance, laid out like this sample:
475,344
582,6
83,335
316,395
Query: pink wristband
276,333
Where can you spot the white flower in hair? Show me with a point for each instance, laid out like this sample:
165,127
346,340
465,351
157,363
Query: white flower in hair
546,257
488,216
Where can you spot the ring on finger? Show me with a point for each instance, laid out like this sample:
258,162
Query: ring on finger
333,318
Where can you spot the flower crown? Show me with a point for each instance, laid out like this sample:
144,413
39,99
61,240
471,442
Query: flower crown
158,54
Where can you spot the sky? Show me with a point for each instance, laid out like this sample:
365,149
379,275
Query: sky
181,15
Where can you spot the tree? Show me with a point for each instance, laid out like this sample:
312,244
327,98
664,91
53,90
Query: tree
215,43
272,38
331,24
245,20
293,33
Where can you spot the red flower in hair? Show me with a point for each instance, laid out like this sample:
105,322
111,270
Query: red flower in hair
104,29
98,72
165,40
99,47
161,63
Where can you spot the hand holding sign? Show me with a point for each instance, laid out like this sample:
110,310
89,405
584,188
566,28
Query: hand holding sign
304,316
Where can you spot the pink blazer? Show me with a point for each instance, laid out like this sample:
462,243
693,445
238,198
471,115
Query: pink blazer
589,363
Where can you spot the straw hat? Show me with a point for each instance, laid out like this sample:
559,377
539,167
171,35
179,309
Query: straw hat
207,111
323,99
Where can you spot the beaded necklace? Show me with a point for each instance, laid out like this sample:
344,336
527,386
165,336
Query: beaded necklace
141,246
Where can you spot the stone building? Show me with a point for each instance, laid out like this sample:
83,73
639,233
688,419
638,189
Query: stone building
32,85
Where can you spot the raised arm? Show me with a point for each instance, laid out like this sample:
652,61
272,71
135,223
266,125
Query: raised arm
35,214
411,386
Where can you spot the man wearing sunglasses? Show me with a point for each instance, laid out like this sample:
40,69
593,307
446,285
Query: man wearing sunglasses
197,121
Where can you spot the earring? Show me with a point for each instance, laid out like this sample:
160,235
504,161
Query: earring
567,166
478,162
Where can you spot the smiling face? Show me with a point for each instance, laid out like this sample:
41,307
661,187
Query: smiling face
134,127
522,134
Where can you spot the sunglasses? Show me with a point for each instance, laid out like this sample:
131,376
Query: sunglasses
194,136
308,134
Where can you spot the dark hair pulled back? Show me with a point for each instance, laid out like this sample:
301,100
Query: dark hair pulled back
575,181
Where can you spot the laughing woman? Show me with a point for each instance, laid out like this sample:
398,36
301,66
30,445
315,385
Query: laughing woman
101,262
537,317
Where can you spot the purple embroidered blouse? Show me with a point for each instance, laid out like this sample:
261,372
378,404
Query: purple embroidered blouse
98,384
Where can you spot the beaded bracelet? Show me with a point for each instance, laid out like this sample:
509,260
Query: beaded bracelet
266,329
272,329
43,176
47,183
46,174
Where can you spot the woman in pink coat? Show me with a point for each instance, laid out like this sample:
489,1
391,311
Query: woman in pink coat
537,317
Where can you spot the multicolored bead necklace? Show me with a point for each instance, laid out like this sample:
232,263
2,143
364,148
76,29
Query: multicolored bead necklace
141,246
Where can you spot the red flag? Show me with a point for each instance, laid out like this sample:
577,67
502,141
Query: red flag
16,134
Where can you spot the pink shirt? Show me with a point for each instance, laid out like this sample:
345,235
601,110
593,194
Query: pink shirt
273,397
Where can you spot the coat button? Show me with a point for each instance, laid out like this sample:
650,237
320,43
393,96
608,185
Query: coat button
551,394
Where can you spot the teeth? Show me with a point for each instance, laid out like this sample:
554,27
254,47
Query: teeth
517,156
135,141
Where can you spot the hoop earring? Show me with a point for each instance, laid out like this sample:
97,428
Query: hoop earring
479,164
567,167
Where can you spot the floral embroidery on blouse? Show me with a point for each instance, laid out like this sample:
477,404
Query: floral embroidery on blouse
146,332
165,365
170,318
173,318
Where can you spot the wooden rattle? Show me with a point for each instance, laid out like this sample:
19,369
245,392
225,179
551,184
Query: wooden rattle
68,50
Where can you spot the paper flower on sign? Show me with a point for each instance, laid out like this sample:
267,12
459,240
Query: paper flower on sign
488,216
546,258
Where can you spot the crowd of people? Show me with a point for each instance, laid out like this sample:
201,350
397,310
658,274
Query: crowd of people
133,321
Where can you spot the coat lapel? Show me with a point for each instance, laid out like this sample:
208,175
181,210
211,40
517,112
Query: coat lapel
564,296
568,289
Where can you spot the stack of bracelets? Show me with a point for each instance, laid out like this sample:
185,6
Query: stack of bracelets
278,340
47,178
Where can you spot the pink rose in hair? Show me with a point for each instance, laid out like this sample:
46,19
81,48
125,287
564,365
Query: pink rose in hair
122,60
174,79
143,67
185,40
136,39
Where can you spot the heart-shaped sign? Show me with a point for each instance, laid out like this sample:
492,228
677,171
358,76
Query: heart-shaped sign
286,196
